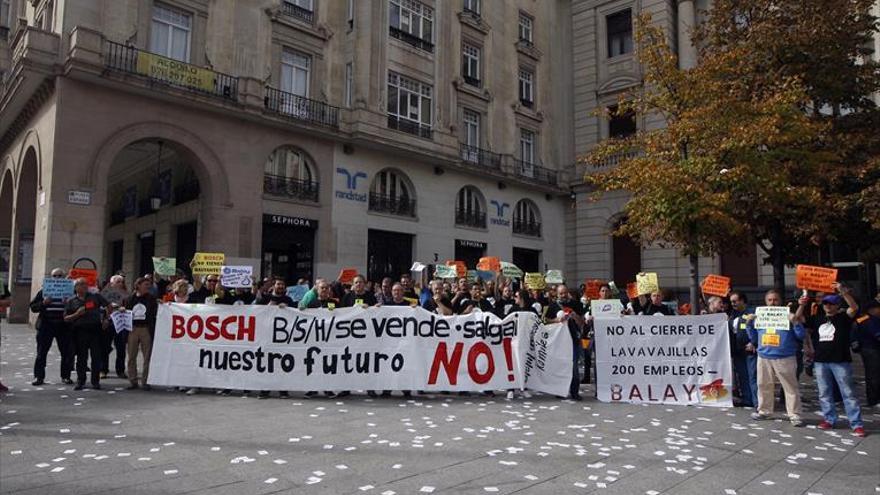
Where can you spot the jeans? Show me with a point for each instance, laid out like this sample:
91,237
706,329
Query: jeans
841,373
746,369
58,332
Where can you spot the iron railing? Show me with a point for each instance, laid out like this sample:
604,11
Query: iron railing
523,227
293,10
300,108
470,218
166,71
188,191
394,205
477,156
411,39
405,125
535,172
278,185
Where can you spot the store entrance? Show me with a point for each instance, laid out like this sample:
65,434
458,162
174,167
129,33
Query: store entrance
288,248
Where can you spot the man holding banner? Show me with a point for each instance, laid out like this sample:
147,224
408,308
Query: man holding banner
49,304
777,342
566,309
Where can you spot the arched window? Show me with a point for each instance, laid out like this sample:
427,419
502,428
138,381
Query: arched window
526,219
392,192
470,209
290,173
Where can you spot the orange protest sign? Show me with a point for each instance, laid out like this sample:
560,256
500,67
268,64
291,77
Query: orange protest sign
716,285
460,267
90,275
592,289
489,264
815,278
632,290
346,276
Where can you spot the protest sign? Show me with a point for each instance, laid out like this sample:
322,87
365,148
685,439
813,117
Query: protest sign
647,283
207,263
401,348
676,360
89,274
632,291
485,275
554,277
444,271
460,267
772,317
591,288
346,276
57,288
297,292
489,264
815,278
535,281
603,308
418,267
471,276
164,266
716,285
236,277
510,270
122,320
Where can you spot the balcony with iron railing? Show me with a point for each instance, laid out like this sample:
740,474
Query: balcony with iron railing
292,10
287,187
528,170
611,161
411,39
164,71
188,191
300,108
524,227
470,218
410,126
401,206
471,155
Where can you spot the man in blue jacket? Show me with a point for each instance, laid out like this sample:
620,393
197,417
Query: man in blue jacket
776,360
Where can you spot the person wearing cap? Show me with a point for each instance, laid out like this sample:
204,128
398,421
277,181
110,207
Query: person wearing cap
831,356
867,343
776,349
51,326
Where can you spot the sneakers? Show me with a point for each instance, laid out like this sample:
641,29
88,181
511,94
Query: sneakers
284,395
825,425
37,382
67,381
192,391
858,431
796,422
263,395
509,394
758,416
96,386
311,394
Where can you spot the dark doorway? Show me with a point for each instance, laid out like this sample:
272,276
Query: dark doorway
627,259
389,254
116,255
741,266
146,251
288,247
185,236
470,252
527,260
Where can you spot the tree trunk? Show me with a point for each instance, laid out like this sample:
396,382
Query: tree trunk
778,261
694,262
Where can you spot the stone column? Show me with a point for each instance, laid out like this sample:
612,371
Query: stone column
687,52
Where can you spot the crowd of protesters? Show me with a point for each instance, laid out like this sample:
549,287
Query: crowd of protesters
824,329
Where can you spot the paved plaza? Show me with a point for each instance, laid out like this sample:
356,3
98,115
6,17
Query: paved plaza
55,440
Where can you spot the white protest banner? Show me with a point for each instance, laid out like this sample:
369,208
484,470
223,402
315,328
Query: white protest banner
554,277
236,277
443,271
772,317
672,360
122,320
57,288
398,348
604,308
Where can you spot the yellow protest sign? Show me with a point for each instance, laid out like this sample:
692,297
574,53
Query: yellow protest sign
535,281
208,263
647,283
174,72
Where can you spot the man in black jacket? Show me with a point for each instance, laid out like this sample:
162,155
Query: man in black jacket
51,326
83,313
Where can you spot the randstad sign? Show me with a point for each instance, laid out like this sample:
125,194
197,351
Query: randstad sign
498,219
349,192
